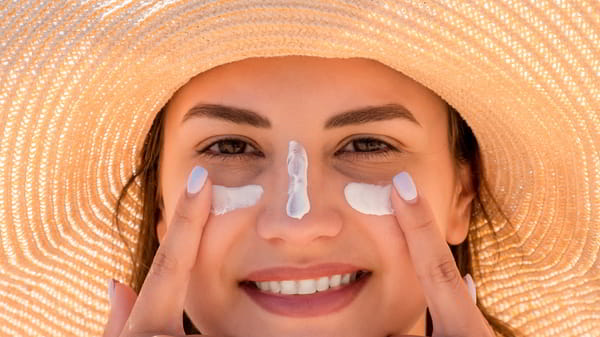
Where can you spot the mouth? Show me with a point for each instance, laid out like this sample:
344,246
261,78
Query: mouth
306,286
303,296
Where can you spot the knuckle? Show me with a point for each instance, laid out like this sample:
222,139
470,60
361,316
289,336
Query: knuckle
444,271
163,264
181,217
425,225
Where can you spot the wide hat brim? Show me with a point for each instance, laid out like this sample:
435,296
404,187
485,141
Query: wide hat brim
82,81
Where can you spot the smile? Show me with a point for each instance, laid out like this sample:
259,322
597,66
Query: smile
310,286
303,293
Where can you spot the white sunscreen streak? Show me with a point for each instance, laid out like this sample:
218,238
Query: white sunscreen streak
298,204
369,199
226,199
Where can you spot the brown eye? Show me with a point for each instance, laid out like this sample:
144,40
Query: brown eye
366,148
230,146
366,145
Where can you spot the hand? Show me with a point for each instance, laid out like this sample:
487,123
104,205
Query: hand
158,310
452,310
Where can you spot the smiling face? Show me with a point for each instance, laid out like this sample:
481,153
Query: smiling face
358,121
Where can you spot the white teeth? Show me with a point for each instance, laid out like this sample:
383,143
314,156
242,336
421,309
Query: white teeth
308,286
289,287
264,286
335,281
345,279
275,286
323,283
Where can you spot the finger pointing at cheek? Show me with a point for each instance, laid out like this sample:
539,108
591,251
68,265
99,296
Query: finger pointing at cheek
452,309
159,306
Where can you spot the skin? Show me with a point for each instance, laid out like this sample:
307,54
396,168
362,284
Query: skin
407,253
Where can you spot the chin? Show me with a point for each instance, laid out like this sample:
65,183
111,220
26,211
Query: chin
353,321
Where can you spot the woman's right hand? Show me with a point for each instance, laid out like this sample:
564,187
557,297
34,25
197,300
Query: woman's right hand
158,309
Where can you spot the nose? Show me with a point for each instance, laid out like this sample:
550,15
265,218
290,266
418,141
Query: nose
282,221
320,222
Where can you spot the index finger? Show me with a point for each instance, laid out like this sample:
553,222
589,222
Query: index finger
447,296
159,306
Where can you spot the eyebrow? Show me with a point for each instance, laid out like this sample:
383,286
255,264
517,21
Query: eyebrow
371,114
227,113
346,118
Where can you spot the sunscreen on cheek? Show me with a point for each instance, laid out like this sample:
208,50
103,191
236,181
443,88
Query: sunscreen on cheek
226,199
369,199
297,161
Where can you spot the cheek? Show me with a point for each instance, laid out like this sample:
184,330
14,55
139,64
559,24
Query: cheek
223,240
238,174
213,289
396,292
380,173
437,186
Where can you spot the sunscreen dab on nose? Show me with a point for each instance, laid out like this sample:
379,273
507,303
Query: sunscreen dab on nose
369,199
297,161
226,199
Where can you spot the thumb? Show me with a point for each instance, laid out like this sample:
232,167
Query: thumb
122,299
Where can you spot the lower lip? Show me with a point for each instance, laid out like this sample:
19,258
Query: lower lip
319,303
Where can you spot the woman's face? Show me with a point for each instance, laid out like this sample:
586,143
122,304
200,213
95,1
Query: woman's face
321,104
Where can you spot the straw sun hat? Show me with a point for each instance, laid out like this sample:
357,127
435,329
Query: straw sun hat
81,82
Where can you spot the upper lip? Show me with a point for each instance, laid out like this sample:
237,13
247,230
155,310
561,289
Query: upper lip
301,273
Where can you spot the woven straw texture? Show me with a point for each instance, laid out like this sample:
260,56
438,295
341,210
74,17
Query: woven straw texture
81,81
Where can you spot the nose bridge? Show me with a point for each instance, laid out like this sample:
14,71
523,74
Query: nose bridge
298,202
297,214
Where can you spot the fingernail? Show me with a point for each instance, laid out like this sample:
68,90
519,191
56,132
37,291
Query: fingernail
196,180
471,286
111,289
405,186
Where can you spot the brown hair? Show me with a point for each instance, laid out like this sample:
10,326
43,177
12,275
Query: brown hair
463,146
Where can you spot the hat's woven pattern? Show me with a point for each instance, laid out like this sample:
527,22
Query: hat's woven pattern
80,83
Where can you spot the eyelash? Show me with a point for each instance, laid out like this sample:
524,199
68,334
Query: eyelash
238,156
379,154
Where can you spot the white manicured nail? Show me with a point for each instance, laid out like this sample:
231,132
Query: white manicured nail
405,186
471,286
111,289
196,180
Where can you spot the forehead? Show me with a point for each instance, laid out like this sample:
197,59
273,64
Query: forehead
292,85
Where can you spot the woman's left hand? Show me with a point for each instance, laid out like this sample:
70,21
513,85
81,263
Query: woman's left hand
451,307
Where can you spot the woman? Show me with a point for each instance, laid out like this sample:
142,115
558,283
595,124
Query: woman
358,121
286,125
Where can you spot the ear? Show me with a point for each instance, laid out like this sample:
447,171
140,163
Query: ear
460,212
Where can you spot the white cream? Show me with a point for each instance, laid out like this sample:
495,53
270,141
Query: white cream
226,199
297,161
369,199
